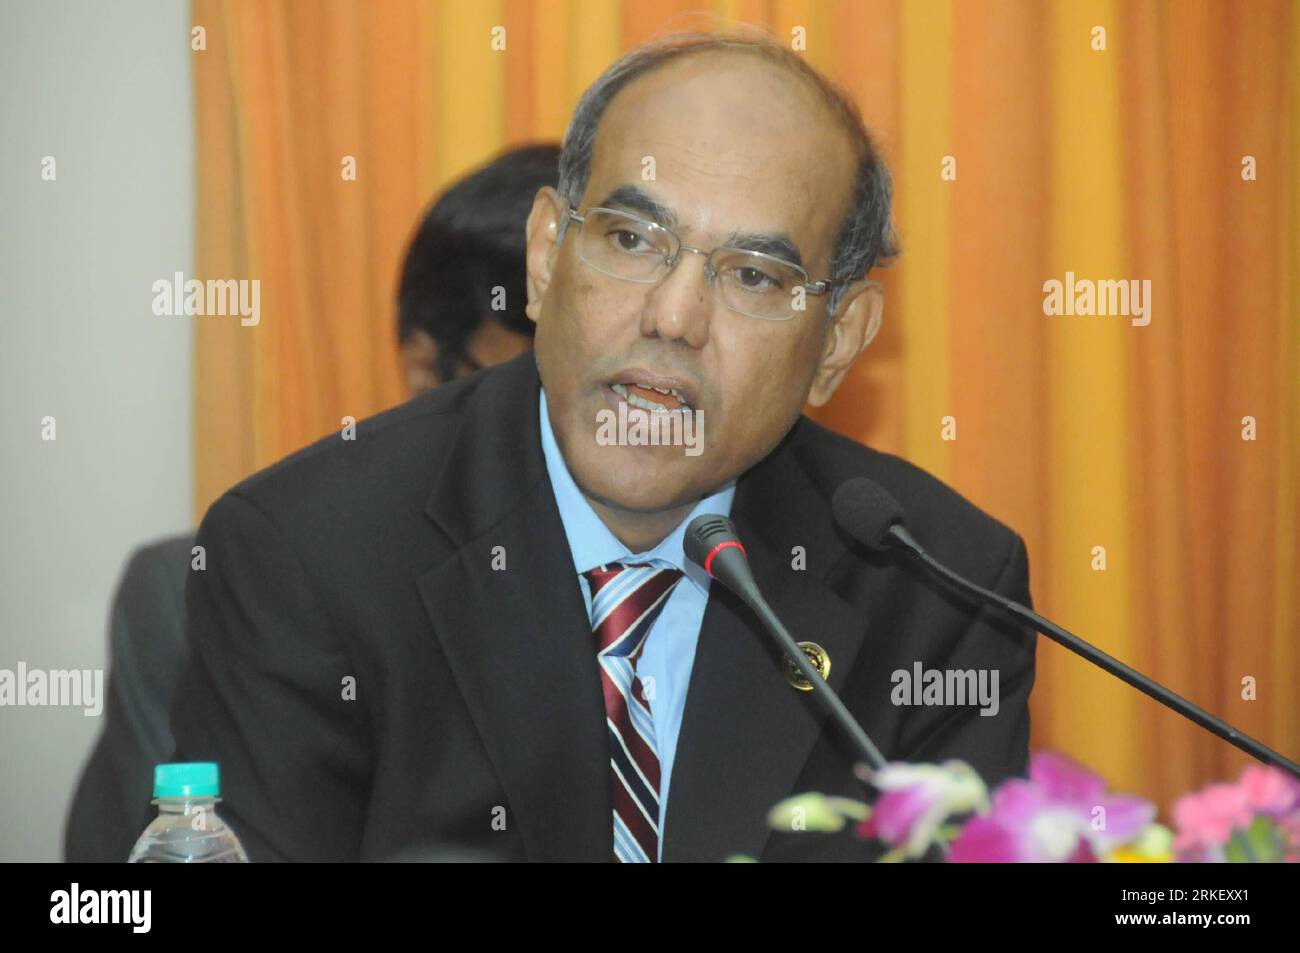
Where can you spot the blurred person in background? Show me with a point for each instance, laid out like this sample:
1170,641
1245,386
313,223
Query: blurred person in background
459,309
458,303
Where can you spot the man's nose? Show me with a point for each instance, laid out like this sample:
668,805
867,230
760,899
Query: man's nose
681,304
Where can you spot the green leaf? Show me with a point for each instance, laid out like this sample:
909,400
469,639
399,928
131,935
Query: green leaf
1260,843
816,812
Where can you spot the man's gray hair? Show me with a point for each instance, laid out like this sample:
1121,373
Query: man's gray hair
866,237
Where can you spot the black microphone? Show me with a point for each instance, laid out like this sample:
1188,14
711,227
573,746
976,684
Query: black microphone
711,543
866,511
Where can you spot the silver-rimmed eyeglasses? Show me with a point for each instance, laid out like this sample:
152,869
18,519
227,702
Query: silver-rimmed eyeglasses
623,245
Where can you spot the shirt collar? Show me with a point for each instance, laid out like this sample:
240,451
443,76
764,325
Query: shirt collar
591,543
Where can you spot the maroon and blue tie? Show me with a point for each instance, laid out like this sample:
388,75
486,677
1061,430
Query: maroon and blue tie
625,601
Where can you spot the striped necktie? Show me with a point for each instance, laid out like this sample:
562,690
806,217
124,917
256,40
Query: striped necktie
625,601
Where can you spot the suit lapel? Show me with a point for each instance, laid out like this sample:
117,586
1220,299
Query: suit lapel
519,645
517,638
746,732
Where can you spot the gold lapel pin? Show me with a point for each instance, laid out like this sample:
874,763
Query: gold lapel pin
821,660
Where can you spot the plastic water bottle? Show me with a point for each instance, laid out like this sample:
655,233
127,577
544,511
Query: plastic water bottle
187,829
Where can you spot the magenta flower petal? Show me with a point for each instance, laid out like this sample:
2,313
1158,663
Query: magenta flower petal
1063,779
1269,791
1126,818
989,840
916,799
1207,818
1019,800
1083,853
896,812
1051,818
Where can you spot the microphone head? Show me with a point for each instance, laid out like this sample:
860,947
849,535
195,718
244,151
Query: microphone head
865,510
704,533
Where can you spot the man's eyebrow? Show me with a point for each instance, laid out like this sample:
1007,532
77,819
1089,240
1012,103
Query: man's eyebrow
776,244
635,199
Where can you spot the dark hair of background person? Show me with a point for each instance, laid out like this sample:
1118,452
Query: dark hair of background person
469,243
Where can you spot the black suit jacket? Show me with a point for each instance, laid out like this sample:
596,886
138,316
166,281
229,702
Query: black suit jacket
477,725
147,651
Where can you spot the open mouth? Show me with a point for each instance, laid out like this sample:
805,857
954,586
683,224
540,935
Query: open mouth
656,400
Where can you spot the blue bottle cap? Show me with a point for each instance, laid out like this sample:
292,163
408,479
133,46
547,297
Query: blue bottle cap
196,779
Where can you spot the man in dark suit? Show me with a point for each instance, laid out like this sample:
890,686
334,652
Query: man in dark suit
468,243
146,653
473,628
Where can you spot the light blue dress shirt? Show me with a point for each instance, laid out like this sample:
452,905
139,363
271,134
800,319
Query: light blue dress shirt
669,652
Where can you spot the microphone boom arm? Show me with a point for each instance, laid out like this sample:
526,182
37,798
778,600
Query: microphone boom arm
1109,663
823,692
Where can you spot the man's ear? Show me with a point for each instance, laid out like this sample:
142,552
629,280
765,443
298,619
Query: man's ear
419,356
541,233
861,311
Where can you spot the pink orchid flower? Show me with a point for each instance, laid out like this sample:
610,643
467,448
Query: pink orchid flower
1061,814
1205,821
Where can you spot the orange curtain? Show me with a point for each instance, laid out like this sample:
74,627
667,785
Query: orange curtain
1153,141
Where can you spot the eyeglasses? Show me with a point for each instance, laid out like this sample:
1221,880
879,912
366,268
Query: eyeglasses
626,246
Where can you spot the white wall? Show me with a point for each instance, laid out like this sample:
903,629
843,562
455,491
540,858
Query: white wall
104,88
